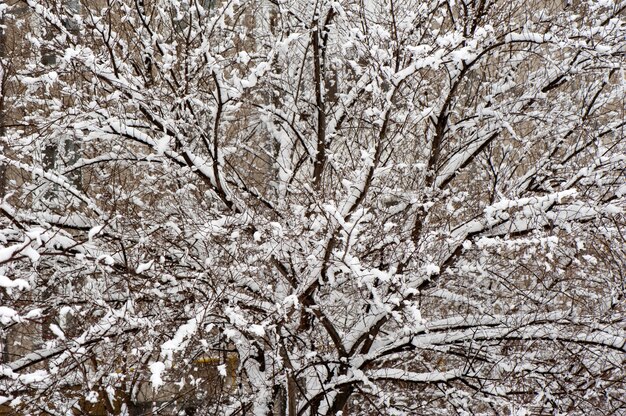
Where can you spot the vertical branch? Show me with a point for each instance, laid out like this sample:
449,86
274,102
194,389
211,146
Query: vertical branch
320,156
2,97
215,156
320,41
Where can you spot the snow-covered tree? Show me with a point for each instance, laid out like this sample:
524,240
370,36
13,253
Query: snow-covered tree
292,207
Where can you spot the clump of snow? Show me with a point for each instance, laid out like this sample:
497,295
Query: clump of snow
34,377
144,266
178,341
257,330
7,315
432,269
7,252
92,397
7,283
57,331
157,368
94,231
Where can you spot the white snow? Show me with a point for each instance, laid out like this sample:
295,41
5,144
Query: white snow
257,330
144,266
6,253
7,315
178,341
20,284
57,331
431,269
156,368
398,374
94,231
34,377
